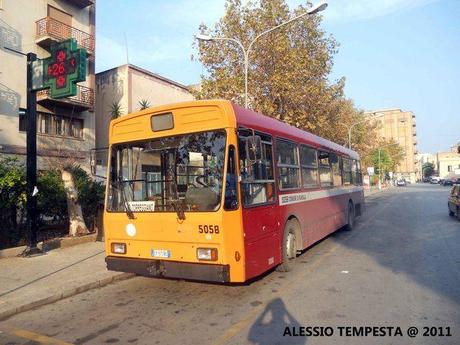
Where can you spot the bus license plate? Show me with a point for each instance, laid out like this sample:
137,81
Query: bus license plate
161,253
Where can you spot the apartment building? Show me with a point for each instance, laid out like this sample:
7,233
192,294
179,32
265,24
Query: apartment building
65,127
400,126
127,86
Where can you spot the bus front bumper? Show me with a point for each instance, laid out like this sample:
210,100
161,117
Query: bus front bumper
169,269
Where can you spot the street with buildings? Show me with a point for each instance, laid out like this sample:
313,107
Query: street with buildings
261,220
398,268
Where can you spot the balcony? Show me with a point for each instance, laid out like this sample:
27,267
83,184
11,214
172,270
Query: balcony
82,3
50,30
84,99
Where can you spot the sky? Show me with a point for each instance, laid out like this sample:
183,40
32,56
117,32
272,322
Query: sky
393,53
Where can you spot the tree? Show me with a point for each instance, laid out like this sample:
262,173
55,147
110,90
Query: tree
144,104
116,110
288,70
12,200
427,169
390,156
64,161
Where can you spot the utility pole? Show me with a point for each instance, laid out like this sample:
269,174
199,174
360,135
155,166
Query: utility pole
31,161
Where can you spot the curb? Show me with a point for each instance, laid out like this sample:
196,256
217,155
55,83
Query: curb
65,294
63,242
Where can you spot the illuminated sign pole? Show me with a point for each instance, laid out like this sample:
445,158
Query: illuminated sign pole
60,72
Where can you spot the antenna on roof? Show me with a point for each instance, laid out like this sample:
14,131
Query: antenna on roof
126,47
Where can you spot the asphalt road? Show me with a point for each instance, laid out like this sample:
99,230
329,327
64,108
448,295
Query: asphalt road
400,267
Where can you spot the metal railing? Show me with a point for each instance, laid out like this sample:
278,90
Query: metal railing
53,28
84,96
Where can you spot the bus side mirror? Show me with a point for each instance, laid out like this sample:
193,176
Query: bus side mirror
98,162
254,148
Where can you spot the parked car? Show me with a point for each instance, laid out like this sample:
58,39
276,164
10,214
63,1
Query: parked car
425,179
446,182
434,179
401,183
454,202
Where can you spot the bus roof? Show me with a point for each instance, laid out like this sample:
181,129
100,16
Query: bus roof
243,117
257,121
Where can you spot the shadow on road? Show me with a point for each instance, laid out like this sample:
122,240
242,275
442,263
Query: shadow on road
271,324
408,231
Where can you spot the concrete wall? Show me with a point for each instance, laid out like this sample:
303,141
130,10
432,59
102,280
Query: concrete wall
111,87
154,90
18,31
127,85
446,159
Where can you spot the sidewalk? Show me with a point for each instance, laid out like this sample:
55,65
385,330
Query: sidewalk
374,190
27,283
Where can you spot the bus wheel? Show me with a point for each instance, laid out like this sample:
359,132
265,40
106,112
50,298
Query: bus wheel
289,247
350,217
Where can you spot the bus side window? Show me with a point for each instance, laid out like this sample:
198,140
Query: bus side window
231,191
346,171
257,180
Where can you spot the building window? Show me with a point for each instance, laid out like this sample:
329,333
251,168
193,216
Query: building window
309,165
59,126
288,165
449,168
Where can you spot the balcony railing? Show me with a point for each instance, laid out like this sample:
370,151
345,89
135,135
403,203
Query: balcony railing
82,3
83,100
51,29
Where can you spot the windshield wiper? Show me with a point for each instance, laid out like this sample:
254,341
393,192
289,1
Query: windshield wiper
128,210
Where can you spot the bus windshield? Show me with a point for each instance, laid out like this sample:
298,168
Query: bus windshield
163,175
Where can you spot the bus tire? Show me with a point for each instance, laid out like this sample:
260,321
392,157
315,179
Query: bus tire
350,217
289,247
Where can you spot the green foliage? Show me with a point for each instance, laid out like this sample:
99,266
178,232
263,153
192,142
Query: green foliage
90,194
428,169
116,110
386,157
144,104
12,200
51,198
288,72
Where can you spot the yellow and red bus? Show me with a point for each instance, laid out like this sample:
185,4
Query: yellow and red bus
208,190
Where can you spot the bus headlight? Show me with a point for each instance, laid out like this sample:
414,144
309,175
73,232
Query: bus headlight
119,248
208,254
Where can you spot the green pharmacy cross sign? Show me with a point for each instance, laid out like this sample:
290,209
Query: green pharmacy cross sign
64,69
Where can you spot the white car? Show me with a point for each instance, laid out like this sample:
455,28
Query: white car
434,179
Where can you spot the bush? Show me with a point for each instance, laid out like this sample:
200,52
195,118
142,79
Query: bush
51,198
12,201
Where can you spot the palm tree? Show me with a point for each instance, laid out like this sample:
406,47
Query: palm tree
144,104
116,110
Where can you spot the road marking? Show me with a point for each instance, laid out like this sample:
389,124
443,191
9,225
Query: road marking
36,337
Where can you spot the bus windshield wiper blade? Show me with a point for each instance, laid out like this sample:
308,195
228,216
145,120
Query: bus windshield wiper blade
128,210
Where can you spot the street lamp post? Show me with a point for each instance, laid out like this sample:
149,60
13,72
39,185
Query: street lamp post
315,9
350,127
